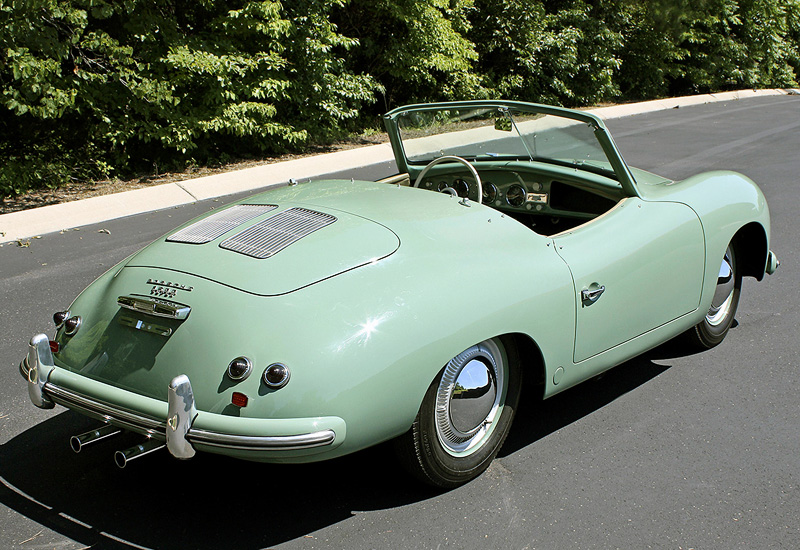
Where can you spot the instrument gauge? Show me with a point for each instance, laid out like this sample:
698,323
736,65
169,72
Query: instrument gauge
515,196
461,187
442,186
489,192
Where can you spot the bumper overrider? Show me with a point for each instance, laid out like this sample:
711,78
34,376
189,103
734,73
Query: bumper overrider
184,430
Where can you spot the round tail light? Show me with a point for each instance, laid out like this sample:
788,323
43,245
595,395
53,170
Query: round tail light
71,325
277,375
239,368
59,317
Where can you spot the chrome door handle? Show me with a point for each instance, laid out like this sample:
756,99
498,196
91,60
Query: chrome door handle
592,295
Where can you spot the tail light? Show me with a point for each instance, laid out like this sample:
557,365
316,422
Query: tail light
239,368
277,375
59,317
71,325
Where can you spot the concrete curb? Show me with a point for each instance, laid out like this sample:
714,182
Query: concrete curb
49,219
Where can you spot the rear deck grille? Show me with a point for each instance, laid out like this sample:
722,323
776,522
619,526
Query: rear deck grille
269,237
216,225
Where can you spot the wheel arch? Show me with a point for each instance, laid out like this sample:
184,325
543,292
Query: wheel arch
750,243
531,361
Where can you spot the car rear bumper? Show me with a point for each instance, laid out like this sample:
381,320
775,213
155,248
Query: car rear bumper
177,422
772,263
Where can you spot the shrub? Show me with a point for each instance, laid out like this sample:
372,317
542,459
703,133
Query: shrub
87,85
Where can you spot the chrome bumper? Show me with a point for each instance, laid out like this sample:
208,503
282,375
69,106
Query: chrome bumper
177,430
773,263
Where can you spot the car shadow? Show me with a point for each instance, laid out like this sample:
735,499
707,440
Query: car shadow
208,502
214,502
535,419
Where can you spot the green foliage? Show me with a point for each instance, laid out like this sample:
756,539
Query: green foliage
419,50
327,94
651,55
566,56
92,88
86,85
767,28
691,46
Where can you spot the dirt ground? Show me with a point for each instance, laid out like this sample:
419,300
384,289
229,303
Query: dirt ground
84,190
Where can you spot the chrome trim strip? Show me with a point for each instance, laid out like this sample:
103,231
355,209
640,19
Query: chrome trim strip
152,306
277,442
106,412
157,429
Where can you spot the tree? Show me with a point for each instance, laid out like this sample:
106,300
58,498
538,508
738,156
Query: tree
560,54
90,87
418,50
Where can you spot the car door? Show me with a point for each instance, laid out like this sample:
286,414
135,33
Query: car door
635,268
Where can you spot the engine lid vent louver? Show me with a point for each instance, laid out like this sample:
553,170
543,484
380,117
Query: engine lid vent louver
216,225
269,237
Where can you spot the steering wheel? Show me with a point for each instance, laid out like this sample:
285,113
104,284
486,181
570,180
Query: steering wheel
453,158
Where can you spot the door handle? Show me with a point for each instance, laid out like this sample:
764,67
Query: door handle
592,295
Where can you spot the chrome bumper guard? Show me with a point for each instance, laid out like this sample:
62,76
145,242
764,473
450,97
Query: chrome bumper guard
40,365
177,430
773,263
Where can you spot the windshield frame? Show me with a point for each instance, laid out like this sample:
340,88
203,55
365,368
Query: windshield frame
619,173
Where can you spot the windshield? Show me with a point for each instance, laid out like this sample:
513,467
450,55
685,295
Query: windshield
500,133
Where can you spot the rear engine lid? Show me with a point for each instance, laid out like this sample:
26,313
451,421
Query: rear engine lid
270,250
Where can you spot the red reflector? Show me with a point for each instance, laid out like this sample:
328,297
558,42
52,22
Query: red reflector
54,346
239,399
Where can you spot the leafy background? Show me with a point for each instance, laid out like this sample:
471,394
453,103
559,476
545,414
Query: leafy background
93,89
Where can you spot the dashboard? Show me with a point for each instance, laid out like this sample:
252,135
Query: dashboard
520,192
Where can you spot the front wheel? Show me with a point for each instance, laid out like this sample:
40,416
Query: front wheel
712,329
465,416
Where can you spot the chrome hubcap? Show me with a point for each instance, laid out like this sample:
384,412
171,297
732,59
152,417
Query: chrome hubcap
723,296
468,398
473,396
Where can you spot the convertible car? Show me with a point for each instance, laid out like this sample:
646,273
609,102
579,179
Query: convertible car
320,318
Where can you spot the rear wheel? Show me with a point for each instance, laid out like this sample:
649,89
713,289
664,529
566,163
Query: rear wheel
465,416
712,329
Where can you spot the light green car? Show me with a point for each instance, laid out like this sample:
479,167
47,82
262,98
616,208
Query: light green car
320,318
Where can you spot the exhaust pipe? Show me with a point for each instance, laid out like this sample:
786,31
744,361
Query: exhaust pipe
147,447
78,441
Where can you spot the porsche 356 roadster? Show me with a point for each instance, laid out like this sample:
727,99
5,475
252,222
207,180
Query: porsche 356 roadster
320,318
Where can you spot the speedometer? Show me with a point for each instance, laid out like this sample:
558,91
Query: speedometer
515,196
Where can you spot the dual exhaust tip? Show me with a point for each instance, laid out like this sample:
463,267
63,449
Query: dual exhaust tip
121,458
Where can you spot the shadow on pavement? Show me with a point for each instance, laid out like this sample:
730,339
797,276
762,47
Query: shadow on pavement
535,420
216,502
207,502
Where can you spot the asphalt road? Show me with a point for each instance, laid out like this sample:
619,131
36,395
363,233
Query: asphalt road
669,450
